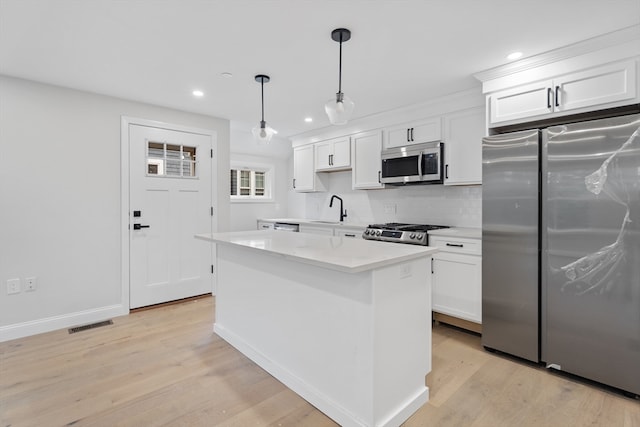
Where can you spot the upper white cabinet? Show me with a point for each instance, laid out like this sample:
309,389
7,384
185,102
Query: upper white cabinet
605,86
333,154
463,132
305,178
414,133
366,148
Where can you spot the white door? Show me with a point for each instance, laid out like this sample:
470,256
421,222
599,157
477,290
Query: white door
170,200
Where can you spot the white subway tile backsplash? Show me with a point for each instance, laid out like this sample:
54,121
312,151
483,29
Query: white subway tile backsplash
459,206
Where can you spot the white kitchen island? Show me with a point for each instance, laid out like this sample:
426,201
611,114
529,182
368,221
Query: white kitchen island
343,322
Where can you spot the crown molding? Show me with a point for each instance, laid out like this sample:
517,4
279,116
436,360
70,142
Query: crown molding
604,41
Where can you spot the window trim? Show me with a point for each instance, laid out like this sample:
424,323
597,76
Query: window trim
269,174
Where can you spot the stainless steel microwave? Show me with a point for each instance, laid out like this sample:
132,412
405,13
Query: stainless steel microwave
413,164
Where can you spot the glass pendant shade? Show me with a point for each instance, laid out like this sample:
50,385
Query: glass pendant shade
339,109
263,133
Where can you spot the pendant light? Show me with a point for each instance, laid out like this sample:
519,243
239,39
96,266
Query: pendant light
340,109
262,132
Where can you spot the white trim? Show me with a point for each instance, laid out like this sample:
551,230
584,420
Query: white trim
125,122
580,48
48,324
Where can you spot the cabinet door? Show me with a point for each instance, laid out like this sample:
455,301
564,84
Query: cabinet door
456,286
598,86
366,148
427,131
348,232
323,152
303,168
463,134
520,102
341,153
325,231
414,133
265,225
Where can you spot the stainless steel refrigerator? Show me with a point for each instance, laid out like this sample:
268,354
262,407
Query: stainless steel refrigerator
561,248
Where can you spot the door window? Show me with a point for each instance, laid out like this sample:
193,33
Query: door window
171,160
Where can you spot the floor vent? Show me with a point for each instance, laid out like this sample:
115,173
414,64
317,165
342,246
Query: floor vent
91,326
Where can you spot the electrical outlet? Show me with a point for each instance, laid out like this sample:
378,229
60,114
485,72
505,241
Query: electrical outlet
390,208
13,286
30,284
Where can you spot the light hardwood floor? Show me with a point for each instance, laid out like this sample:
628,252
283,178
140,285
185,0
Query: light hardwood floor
165,367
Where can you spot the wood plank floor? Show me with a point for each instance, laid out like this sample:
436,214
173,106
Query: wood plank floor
165,367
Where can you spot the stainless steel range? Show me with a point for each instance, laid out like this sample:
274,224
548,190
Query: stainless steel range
413,234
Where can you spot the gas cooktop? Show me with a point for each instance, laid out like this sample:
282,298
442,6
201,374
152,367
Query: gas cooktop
414,234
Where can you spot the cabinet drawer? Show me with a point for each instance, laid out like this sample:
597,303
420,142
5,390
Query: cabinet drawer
457,245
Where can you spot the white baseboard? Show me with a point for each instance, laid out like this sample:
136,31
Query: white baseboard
48,324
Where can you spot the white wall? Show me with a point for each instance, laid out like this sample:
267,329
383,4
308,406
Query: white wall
244,149
459,206
60,200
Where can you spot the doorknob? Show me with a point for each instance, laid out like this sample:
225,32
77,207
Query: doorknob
139,226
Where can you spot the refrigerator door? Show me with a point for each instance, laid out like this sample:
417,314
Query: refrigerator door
510,250
591,259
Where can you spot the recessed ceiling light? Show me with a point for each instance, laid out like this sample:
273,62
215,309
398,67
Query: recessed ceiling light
226,74
198,93
514,55
308,119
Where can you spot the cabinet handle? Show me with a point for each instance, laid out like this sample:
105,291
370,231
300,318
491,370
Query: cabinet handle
557,96
431,265
349,235
446,172
294,183
379,177
549,93
455,245
412,140
265,226
408,130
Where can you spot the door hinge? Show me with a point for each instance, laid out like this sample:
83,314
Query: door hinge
212,153
211,268
211,210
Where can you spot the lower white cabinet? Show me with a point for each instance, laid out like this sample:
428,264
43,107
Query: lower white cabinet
457,278
355,233
313,229
265,225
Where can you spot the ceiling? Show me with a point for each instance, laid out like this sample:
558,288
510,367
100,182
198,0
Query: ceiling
402,52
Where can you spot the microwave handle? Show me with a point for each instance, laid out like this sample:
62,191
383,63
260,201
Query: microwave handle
420,164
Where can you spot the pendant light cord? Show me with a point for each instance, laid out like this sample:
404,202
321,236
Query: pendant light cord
262,95
340,68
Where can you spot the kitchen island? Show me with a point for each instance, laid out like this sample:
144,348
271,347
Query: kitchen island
343,322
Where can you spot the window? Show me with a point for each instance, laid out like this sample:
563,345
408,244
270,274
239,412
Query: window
251,183
175,161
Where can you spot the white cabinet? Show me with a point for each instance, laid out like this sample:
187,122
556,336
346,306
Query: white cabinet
265,225
595,88
462,139
355,233
333,154
457,278
414,133
366,148
305,178
312,229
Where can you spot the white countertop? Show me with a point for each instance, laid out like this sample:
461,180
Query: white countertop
468,233
337,253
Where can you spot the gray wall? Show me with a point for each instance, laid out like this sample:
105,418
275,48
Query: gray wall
60,199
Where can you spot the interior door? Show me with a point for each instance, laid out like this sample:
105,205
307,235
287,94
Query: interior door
170,202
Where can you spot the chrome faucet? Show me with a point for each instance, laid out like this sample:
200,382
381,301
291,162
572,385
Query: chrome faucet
343,213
